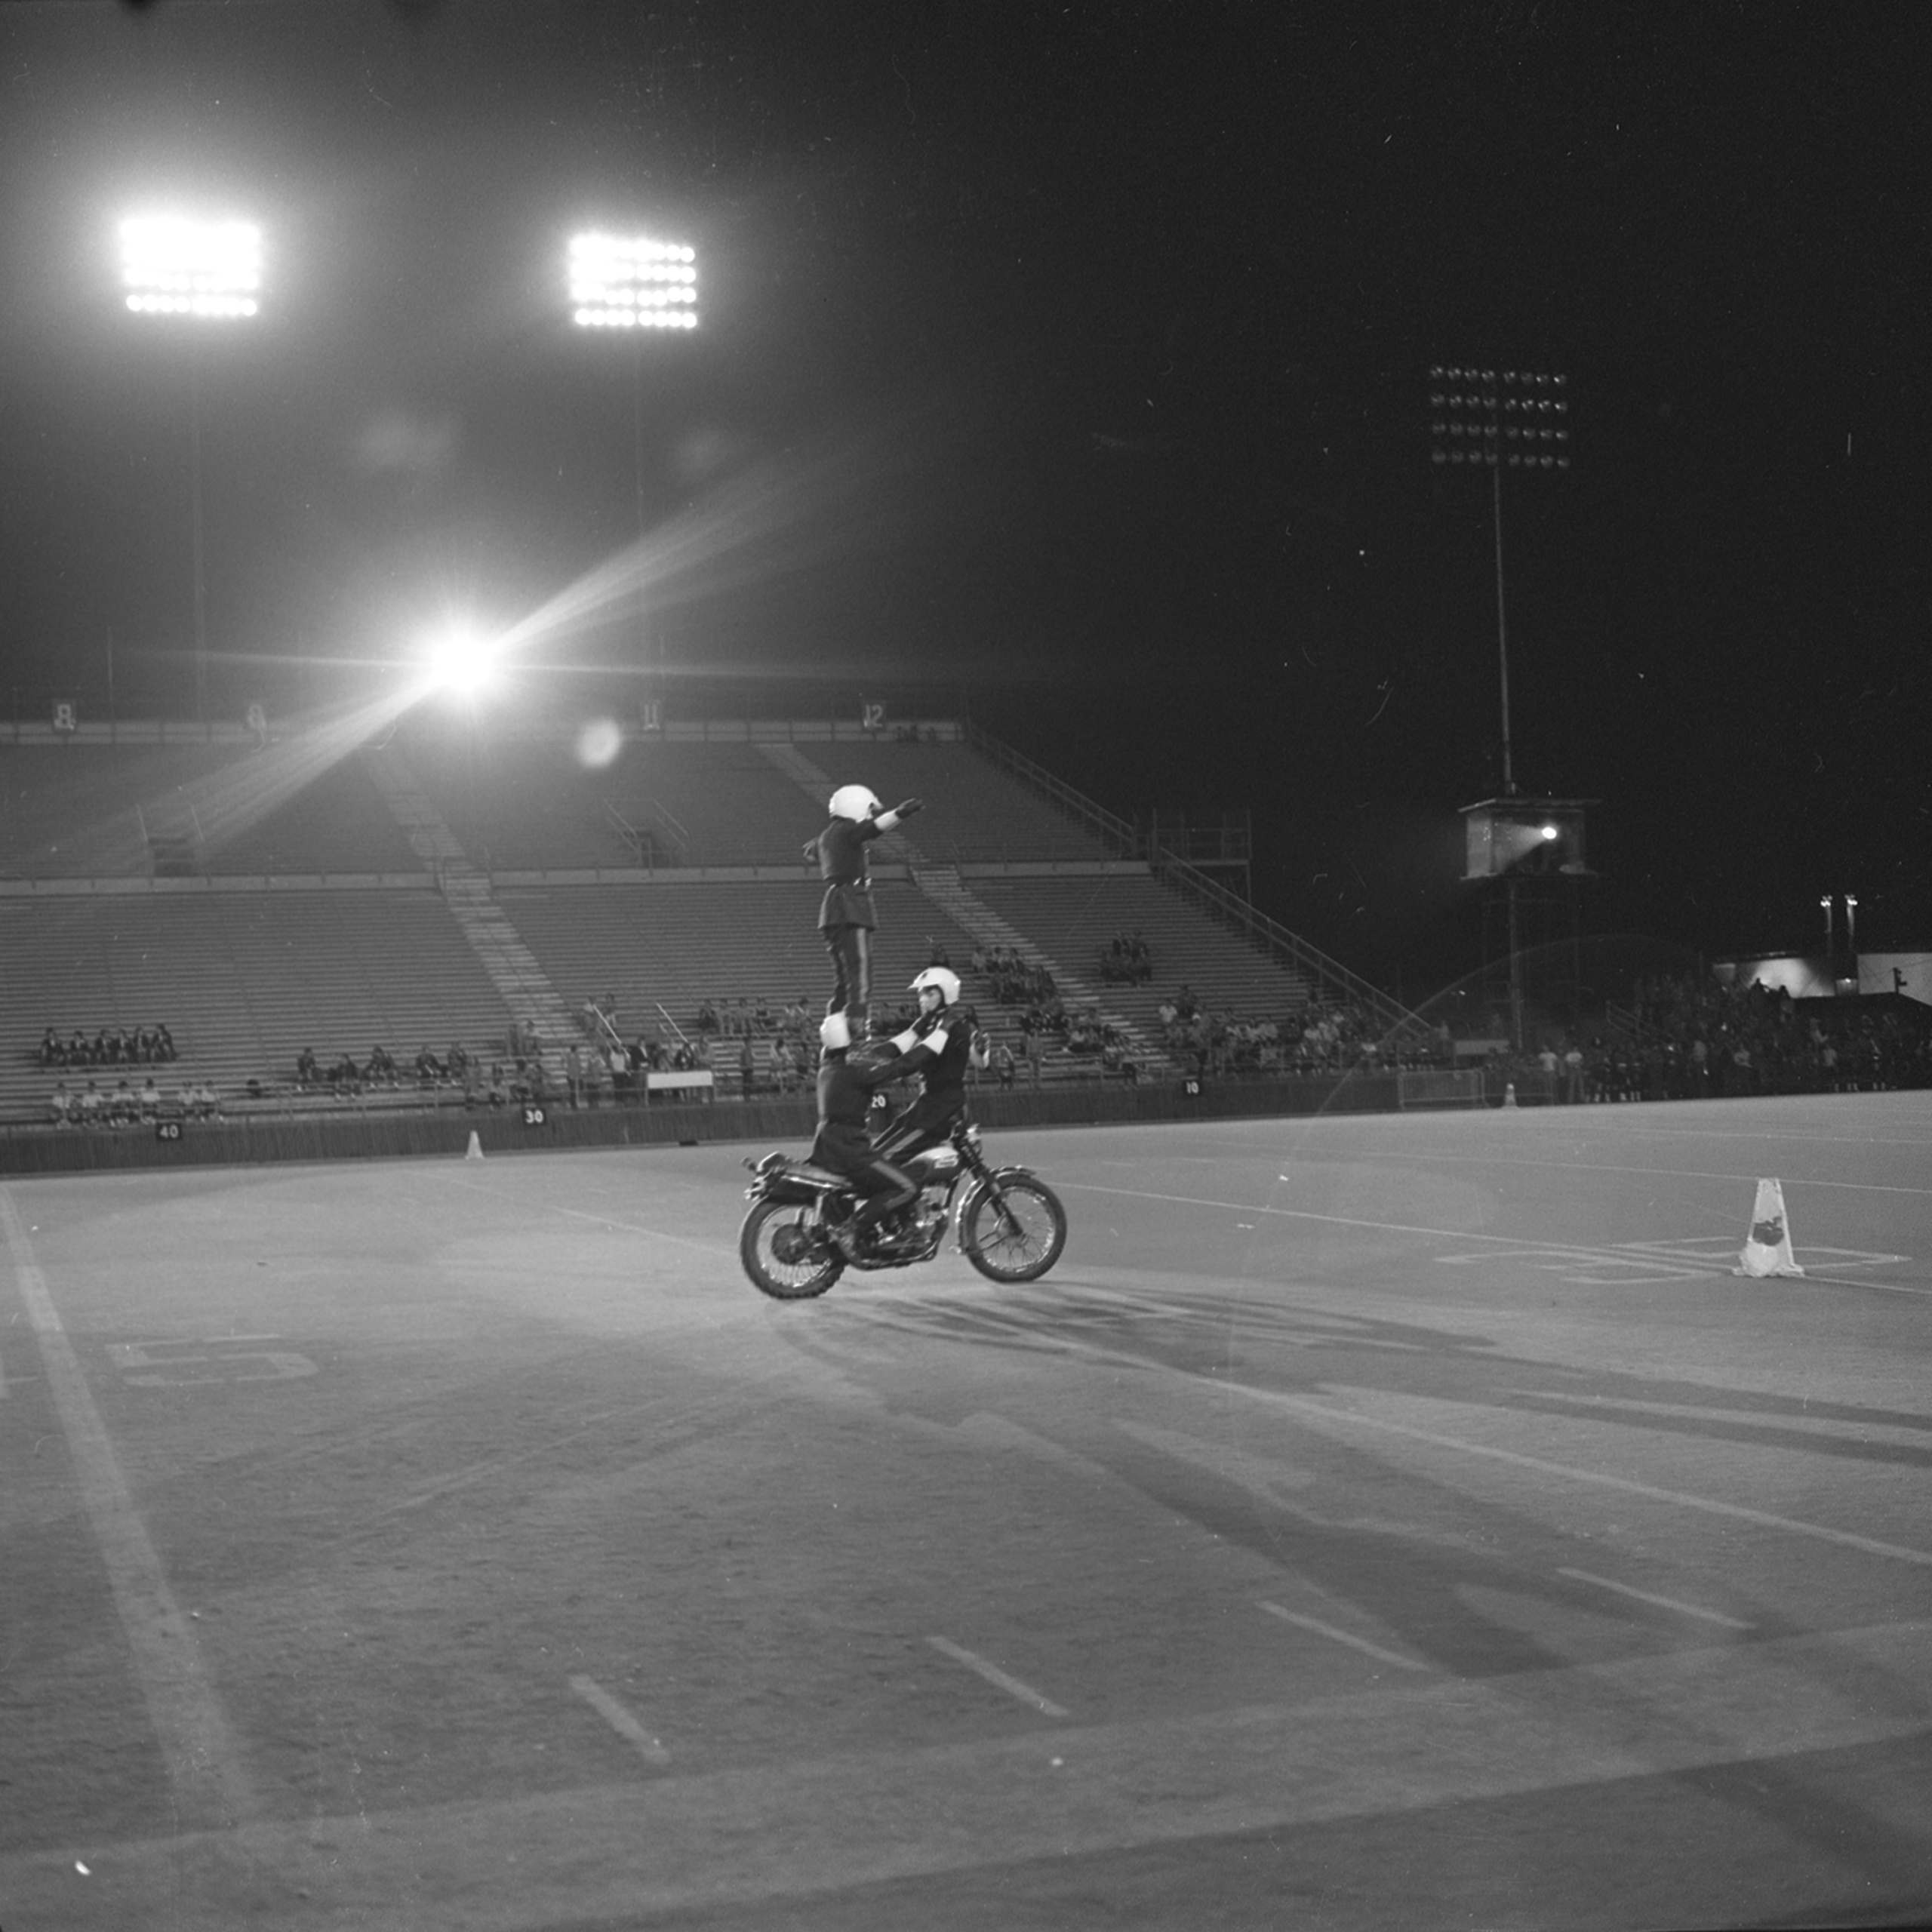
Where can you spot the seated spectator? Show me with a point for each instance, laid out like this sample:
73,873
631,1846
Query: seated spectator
457,1061
381,1068
123,1110
707,1017
149,1098
90,1106
306,1072
61,1104
165,1043
52,1053
428,1069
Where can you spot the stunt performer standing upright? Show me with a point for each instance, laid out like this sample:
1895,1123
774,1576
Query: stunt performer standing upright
846,917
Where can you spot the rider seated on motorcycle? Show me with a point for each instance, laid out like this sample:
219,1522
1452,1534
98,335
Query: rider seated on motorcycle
938,1046
841,1145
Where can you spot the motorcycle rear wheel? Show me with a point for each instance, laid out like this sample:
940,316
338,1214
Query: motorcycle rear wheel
771,1228
1017,1242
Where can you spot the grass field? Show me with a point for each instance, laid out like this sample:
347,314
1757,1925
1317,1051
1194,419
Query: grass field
1372,1522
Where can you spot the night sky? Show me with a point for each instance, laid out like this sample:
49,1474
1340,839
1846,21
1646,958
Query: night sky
1074,357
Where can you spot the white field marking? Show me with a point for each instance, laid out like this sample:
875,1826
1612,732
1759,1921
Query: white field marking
994,1675
1602,1267
796,1839
620,1720
1879,1287
609,1221
1361,1644
1663,1603
1520,1241
1321,1412
203,1761
1078,1345
1830,1428
1722,1249
1526,1248
1432,1158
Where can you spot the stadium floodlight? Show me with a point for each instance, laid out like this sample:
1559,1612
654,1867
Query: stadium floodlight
1498,419
173,267
459,660
209,270
632,281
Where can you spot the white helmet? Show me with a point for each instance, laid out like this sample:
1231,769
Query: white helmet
855,802
834,1032
945,979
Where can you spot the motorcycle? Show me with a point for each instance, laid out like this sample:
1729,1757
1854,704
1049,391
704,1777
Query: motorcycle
799,1235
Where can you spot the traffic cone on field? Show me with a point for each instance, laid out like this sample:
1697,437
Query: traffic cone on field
475,1152
1509,1093
1767,1249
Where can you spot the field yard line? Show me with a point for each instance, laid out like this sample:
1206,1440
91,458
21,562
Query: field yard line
1663,1603
736,1843
1354,1643
994,1675
620,1719
1613,1167
1623,1252
1338,1220
204,1765
1683,1499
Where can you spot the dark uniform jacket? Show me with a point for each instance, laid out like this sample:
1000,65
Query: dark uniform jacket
840,851
844,1101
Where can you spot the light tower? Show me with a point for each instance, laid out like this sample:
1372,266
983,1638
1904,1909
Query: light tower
636,284
1515,419
178,270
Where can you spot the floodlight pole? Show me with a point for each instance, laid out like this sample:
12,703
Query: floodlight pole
1510,425
199,547
1503,656
634,283
193,272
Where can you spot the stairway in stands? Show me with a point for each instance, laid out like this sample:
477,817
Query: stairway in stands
943,886
511,967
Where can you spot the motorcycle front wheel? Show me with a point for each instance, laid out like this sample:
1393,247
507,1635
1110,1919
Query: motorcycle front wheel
786,1257
1014,1230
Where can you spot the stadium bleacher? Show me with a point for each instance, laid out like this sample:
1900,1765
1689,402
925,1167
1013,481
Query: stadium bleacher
296,910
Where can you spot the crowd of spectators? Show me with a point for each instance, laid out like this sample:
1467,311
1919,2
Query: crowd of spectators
345,1075
108,1046
125,1105
1694,1039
